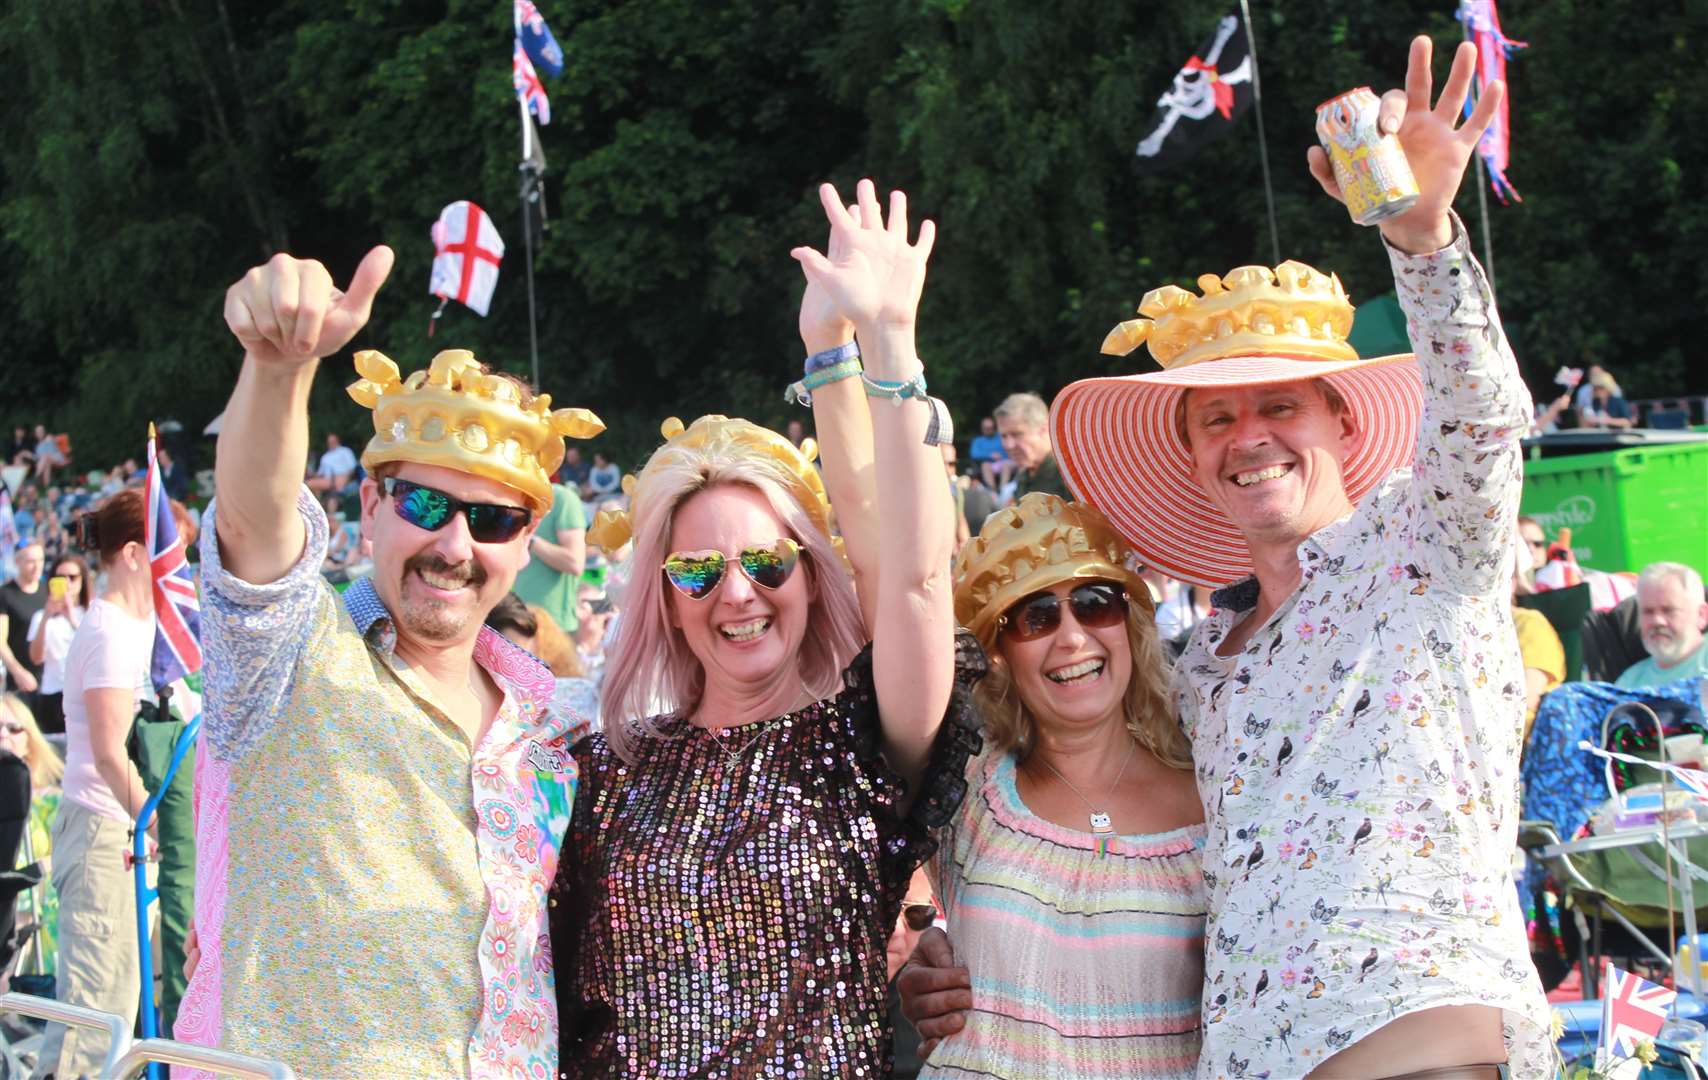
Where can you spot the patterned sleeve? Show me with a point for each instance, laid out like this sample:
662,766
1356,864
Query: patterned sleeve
909,840
253,636
1469,469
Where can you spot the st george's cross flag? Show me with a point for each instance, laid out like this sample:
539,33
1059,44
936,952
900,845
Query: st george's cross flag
466,252
1208,96
1633,1010
177,611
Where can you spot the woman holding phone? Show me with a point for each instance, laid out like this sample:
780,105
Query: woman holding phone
69,593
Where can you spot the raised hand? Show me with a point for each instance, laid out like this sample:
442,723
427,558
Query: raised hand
873,276
1436,144
821,322
288,312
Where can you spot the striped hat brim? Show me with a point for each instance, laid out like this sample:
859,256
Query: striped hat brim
1119,449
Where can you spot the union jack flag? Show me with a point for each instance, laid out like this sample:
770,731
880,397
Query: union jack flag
177,611
536,38
528,85
1632,1010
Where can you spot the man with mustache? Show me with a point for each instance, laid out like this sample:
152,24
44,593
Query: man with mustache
1672,615
381,791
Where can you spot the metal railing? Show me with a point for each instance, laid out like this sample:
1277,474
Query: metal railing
145,1052
116,1028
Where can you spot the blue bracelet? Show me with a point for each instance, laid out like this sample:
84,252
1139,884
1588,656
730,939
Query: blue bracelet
897,392
802,391
830,357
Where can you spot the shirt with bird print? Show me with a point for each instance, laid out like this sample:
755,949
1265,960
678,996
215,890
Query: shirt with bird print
1358,758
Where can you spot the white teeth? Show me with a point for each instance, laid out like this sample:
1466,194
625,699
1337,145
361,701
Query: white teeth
1273,472
1084,671
439,582
746,631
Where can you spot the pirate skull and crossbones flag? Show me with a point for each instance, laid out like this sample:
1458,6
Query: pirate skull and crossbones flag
1207,97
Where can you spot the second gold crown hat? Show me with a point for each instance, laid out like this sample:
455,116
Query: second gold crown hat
456,415
1120,448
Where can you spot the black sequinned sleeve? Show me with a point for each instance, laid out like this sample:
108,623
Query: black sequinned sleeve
909,840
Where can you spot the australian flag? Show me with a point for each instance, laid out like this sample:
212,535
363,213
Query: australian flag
1208,96
177,611
536,39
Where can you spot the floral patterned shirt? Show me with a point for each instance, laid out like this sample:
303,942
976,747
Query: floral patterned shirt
1358,759
371,884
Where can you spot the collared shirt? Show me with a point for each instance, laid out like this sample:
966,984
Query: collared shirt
1046,476
1358,759
371,885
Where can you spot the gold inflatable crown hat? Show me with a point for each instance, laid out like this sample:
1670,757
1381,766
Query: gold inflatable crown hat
1292,310
613,528
1036,544
456,415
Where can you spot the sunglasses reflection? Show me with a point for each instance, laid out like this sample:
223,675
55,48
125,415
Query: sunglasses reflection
697,574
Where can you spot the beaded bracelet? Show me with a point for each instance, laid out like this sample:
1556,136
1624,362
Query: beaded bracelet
897,392
831,357
802,391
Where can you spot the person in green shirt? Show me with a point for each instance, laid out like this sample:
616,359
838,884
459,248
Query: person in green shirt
557,556
1024,422
1672,615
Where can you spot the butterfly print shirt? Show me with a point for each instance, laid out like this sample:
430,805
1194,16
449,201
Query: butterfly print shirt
1358,759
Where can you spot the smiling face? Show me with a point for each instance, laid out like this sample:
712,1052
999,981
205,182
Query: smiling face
747,638
1271,458
439,585
1671,620
1074,677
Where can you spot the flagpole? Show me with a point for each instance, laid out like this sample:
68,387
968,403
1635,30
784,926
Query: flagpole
1482,185
1262,142
529,182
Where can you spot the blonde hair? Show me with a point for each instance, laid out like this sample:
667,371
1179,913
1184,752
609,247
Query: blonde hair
651,666
554,647
1148,710
46,768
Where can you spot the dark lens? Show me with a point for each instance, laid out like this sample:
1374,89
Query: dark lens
1098,605
423,507
491,524
695,576
919,916
1032,619
770,567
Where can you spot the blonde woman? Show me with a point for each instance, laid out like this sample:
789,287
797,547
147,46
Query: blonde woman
736,863
19,735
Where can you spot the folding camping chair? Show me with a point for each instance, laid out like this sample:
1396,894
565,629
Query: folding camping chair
1627,885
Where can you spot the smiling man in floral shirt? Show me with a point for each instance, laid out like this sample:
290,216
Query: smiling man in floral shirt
382,791
1355,699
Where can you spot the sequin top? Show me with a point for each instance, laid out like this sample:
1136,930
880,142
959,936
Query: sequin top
719,918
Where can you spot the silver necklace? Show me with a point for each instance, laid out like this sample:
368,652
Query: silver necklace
1101,825
720,739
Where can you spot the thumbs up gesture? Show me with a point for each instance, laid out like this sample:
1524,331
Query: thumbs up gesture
288,312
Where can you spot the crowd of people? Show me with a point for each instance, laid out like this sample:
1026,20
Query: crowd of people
1188,706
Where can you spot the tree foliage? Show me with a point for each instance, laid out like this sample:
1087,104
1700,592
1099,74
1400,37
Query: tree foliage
152,153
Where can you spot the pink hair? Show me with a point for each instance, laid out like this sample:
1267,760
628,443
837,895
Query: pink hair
652,670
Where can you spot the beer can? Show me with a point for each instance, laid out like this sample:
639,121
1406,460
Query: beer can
1374,176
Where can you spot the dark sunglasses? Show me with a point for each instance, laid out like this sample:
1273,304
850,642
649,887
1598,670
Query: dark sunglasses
431,509
1096,604
696,574
919,914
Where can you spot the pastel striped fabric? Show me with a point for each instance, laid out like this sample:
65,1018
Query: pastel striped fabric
1082,967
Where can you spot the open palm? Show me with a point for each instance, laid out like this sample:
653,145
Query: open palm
871,275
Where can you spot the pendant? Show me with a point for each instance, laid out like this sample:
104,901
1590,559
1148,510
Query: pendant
1100,824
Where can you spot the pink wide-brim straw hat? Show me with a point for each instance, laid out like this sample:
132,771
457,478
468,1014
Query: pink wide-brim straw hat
1119,448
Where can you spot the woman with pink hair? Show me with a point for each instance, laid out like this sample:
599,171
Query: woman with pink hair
765,785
